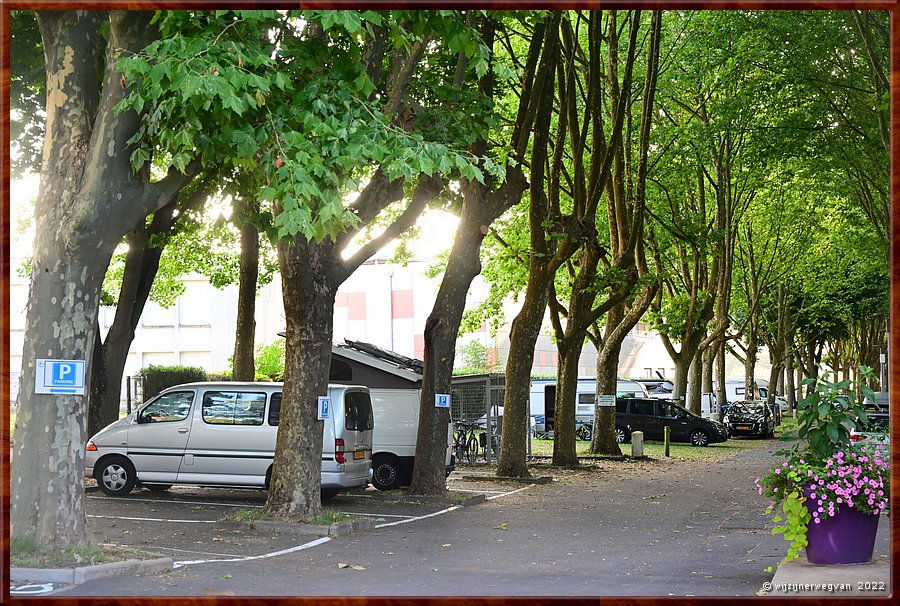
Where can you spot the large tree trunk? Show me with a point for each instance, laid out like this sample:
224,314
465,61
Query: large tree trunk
603,440
111,354
88,199
441,331
564,405
310,274
244,368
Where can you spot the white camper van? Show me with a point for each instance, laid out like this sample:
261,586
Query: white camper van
394,438
223,434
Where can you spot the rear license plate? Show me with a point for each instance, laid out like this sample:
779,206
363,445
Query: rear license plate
359,454
743,427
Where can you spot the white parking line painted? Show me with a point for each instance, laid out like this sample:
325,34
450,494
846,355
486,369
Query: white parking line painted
153,519
417,518
510,492
178,501
374,515
273,554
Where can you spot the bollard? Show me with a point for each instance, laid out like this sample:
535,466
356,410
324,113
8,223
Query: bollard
667,432
637,445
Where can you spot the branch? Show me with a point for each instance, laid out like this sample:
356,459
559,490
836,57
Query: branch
427,189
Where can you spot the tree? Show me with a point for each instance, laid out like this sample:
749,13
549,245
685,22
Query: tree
88,199
482,204
325,103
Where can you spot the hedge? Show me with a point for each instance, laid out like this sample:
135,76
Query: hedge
157,378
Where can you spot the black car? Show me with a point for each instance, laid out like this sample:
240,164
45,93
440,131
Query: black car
750,418
652,416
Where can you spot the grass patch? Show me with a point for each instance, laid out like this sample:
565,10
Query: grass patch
249,515
26,553
331,516
655,449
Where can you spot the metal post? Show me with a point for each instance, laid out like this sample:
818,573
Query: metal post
128,395
667,431
488,446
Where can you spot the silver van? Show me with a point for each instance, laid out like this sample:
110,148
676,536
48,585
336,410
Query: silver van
223,434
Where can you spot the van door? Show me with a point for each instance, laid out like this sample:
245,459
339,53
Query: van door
229,444
676,418
159,435
355,427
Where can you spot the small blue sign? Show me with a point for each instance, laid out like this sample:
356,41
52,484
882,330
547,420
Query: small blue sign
324,407
442,400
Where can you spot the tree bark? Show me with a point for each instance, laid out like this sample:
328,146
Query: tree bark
88,198
244,368
311,274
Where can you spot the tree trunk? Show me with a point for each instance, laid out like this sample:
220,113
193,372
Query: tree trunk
695,380
721,393
111,354
750,362
564,405
310,277
88,198
603,440
244,368
441,331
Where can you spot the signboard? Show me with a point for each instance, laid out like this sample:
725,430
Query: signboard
324,407
606,401
59,376
442,400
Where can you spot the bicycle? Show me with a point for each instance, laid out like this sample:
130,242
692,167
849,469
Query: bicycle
465,441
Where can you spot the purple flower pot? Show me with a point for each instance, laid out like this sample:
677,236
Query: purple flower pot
846,538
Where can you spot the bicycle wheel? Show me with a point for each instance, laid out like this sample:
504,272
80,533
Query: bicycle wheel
472,448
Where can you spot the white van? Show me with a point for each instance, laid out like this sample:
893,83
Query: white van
223,434
543,396
394,437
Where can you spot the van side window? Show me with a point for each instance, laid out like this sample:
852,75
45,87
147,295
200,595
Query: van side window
233,408
585,403
358,416
275,409
169,407
621,406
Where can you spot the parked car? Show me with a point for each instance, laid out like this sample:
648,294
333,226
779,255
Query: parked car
223,434
750,418
875,431
651,417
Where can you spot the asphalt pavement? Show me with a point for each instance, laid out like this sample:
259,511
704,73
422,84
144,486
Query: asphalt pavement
651,528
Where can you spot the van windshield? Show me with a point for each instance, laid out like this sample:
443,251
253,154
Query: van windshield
358,415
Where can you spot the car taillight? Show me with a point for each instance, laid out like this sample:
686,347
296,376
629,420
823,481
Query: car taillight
339,455
90,447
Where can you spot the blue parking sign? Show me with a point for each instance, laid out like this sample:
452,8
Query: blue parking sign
324,407
59,377
442,400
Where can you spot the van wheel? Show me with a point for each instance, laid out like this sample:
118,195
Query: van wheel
387,473
116,476
328,493
699,438
621,435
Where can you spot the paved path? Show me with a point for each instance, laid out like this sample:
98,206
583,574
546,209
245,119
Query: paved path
652,528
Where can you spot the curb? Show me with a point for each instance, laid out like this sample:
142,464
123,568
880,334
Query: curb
473,499
341,529
538,480
86,573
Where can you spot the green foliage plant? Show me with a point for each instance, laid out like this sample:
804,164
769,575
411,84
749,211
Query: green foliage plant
157,378
823,467
269,361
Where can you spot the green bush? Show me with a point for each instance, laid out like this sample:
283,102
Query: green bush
269,361
156,378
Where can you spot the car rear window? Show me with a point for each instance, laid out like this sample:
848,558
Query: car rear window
358,414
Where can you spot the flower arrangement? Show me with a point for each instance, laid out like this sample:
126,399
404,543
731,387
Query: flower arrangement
824,472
